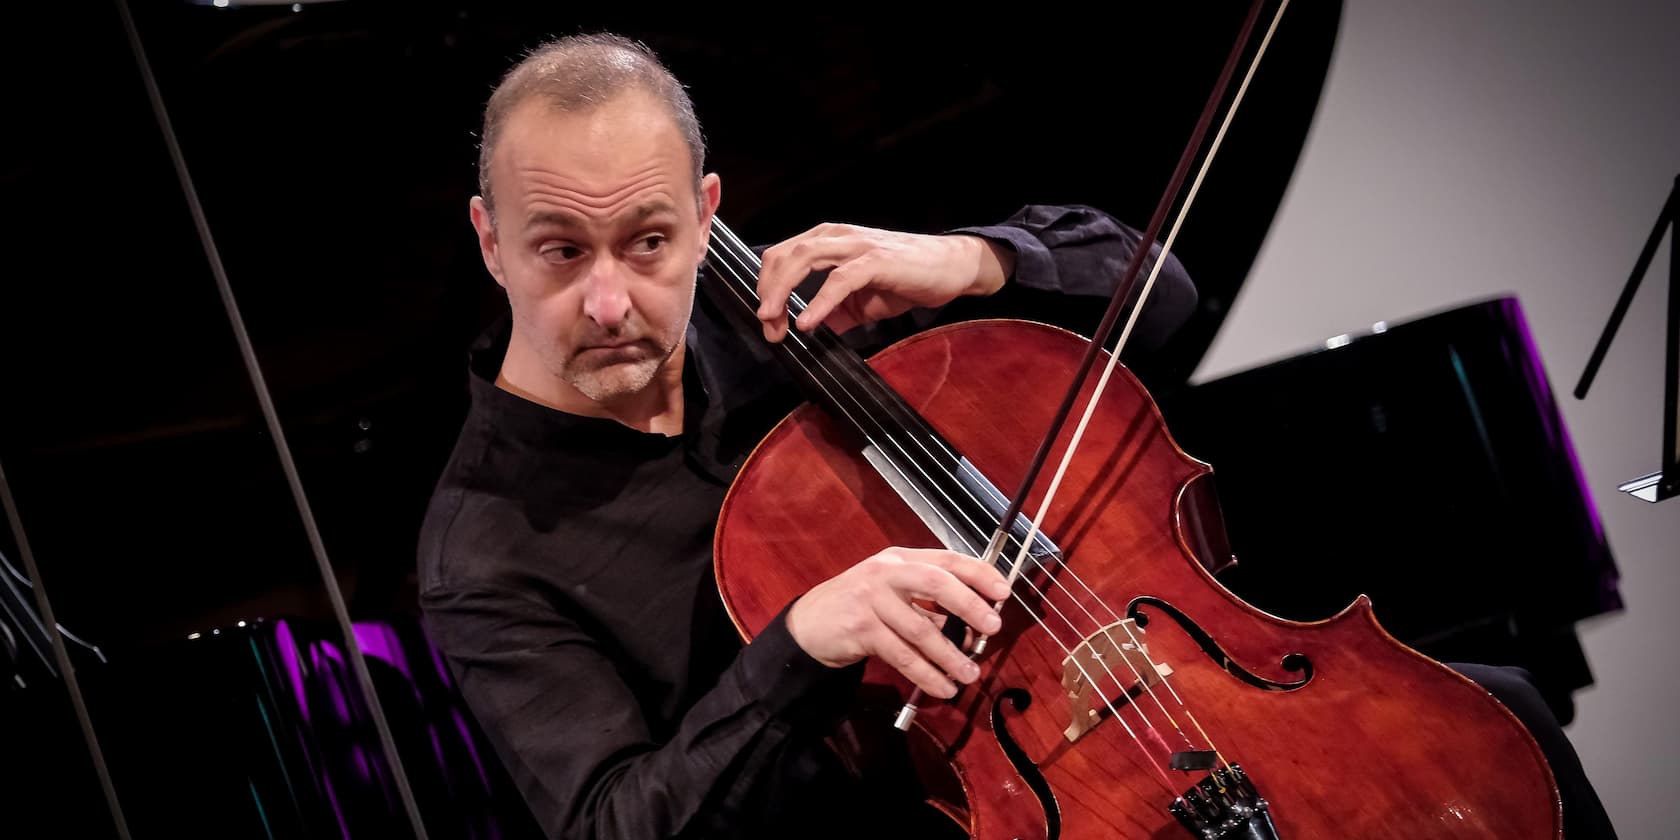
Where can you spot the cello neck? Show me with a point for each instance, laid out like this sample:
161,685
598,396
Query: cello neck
959,504
829,371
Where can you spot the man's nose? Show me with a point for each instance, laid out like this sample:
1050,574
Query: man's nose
607,297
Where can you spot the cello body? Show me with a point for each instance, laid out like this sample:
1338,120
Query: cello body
1341,731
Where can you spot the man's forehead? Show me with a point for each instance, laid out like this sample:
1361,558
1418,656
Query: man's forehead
598,150
630,127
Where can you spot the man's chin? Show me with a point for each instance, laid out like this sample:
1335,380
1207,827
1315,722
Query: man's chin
614,382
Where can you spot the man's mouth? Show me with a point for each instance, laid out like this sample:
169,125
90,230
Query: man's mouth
613,348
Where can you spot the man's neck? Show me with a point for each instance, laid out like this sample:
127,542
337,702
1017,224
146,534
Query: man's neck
656,409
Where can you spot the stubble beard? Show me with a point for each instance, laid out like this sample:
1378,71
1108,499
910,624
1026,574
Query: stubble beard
613,378
612,382
609,381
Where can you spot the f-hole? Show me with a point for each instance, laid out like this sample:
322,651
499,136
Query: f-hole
1293,663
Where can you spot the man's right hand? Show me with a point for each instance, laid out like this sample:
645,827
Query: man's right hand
868,610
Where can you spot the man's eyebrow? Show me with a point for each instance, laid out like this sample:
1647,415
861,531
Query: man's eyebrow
553,218
650,208
566,219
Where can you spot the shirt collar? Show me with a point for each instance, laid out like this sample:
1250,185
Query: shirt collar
733,387
511,415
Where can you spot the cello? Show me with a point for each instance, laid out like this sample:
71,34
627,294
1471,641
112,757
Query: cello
1129,693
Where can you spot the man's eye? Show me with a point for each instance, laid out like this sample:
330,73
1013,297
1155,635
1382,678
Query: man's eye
561,252
650,244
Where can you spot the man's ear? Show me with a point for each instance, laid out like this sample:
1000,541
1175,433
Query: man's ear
711,192
487,245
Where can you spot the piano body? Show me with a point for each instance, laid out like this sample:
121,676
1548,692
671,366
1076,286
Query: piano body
1425,464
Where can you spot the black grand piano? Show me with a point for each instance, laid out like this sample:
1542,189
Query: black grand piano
1424,464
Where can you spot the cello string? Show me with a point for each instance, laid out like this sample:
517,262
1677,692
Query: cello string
1159,770
841,407
869,383
1107,633
736,274
739,273
1166,247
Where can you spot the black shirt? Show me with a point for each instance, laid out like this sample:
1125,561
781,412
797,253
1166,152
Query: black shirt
565,574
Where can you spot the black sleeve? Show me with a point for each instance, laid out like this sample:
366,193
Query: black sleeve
585,761
1083,252
1069,261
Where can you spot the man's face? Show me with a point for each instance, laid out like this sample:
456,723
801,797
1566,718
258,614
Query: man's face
597,237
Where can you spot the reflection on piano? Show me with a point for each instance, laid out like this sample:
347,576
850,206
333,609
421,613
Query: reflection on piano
259,730
25,646
1425,464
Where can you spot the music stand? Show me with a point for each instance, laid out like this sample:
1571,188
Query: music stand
1665,482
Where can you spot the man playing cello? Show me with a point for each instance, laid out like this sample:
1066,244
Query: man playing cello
565,562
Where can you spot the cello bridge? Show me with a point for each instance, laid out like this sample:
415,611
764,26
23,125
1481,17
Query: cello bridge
1112,657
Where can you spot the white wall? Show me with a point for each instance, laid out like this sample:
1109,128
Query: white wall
1466,149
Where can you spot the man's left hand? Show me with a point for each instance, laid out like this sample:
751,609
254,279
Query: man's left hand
874,274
